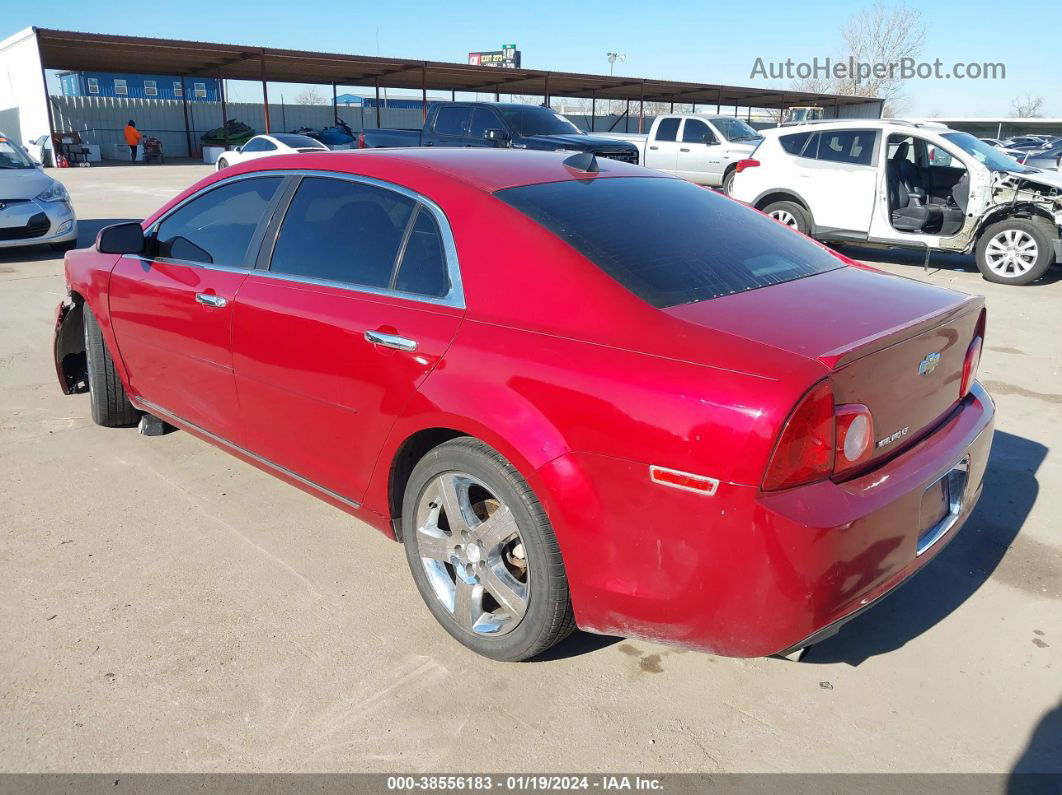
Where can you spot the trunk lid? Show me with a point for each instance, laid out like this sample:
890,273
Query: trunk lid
890,343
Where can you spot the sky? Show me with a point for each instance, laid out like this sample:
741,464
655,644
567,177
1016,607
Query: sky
714,42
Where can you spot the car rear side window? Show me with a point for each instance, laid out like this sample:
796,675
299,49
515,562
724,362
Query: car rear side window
667,130
855,147
452,120
794,144
216,228
423,266
668,241
342,231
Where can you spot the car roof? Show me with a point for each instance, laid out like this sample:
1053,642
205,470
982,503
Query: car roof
487,170
845,124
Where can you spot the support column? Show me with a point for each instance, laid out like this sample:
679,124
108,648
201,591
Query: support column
497,94
424,93
335,107
593,109
224,109
265,92
641,109
627,118
378,124
48,107
718,100
187,126
547,89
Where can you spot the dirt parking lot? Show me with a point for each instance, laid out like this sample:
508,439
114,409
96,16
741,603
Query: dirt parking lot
164,607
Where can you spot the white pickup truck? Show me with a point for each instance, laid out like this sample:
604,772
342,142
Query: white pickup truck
702,149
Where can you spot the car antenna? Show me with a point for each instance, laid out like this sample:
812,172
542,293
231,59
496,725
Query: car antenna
583,161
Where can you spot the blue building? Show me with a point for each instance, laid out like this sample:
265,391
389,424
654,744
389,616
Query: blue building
404,103
112,84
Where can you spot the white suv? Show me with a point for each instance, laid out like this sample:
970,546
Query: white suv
917,185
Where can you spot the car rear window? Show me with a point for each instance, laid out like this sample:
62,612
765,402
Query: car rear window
668,241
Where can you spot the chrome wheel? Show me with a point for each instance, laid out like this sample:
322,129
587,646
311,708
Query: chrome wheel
785,217
469,544
1012,252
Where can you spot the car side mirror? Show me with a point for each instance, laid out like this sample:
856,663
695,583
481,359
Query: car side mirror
498,136
121,239
710,140
238,149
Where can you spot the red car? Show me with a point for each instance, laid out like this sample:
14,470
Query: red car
581,393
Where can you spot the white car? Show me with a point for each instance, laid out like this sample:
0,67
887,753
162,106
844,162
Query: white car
268,145
918,185
703,149
35,209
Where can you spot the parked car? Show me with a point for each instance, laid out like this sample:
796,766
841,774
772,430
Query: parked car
1045,159
702,149
897,183
998,144
498,125
268,145
35,210
580,392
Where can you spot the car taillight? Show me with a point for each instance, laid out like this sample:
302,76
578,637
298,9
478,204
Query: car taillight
855,435
806,446
361,140
746,163
973,358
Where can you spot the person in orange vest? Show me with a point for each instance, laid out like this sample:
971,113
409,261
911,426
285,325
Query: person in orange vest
132,137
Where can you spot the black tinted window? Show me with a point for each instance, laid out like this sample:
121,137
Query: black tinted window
342,231
668,241
216,228
847,146
452,120
697,132
668,130
794,144
423,268
483,120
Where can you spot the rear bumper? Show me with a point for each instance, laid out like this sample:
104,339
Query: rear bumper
744,573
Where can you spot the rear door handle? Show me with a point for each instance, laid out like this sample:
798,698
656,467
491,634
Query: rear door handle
654,147
209,299
391,341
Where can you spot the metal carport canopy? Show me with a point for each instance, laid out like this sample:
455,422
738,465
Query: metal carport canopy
73,51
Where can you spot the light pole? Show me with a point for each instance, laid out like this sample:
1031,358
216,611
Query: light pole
612,58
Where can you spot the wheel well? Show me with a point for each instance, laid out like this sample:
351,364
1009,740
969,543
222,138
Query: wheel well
1023,211
409,454
70,346
779,196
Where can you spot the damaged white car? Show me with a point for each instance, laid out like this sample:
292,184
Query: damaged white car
916,185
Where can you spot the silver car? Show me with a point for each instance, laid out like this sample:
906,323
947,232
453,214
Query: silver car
35,209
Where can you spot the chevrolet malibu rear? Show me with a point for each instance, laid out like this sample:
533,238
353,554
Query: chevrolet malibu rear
578,392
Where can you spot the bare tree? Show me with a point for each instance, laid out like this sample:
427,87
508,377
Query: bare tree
311,96
1027,107
882,34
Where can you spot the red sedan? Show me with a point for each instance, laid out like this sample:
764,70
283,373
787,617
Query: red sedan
579,392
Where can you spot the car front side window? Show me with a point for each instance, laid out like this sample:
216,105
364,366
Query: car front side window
216,227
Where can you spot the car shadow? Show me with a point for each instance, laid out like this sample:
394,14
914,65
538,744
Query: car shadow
1040,763
87,229
938,260
1010,491
576,645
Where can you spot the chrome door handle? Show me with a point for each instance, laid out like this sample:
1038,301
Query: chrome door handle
654,147
684,150
391,341
211,300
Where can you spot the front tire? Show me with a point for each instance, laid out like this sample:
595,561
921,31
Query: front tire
1016,251
790,214
110,406
222,163
483,554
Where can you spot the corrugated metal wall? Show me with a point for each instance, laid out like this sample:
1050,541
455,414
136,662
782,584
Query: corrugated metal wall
100,120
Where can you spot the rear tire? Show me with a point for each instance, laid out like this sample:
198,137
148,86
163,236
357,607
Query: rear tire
110,406
790,214
500,552
1016,251
728,179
